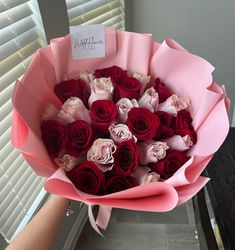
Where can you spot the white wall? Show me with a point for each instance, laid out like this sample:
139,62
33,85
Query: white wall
204,27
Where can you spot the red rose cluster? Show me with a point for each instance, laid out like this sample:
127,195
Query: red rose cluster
113,123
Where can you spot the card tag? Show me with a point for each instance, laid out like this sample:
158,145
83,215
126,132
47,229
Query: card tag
88,41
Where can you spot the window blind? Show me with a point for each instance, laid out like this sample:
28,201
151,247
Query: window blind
107,12
20,189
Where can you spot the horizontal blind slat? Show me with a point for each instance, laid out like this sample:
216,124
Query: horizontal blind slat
105,17
11,205
8,160
73,3
15,14
7,148
6,123
16,29
5,138
5,5
13,60
95,13
10,77
11,175
84,8
6,202
6,109
15,45
12,224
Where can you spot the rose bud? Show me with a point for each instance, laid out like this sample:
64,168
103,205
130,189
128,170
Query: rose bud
87,177
170,164
101,152
116,182
179,143
143,123
124,105
80,138
74,109
174,104
126,158
149,100
101,89
72,88
165,129
54,136
103,113
108,72
152,151
126,86
120,132
67,162
162,90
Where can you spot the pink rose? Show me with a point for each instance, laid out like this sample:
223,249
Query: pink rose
120,132
173,104
151,177
149,100
74,109
152,151
180,143
67,162
101,89
101,152
124,105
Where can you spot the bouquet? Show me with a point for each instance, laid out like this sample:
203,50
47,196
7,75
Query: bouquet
132,130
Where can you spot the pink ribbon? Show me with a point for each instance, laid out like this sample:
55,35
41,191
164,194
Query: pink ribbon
102,219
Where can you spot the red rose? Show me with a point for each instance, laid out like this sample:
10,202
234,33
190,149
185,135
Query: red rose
72,88
108,72
54,136
80,138
163,91
126,158
143,123
183,125
165,129
103,112
116,182
126,86
170,164
87,177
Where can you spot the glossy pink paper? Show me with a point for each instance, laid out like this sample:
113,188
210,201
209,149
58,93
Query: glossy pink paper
186,74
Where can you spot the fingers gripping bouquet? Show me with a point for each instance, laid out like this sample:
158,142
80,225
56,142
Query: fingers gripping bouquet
132,130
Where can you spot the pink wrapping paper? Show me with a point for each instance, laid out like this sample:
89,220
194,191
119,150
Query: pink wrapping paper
186,74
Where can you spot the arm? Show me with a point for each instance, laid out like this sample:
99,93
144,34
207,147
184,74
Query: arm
41,231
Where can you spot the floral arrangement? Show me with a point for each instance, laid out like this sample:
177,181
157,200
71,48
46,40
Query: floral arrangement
116,130
136,135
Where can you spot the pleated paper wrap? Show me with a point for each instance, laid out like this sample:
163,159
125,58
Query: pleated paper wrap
184,73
